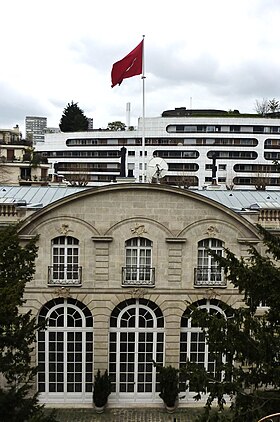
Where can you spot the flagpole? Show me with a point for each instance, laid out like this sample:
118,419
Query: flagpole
143,117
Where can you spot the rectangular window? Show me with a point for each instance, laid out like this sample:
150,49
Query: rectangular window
258,129
235,128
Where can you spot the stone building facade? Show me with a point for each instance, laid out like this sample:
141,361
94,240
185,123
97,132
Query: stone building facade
117,268
17,164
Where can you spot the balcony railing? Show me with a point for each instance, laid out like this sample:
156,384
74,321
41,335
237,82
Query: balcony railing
205,276
138,276
64,275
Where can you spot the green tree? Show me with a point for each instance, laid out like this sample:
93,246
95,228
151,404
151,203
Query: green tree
18,402
249,339
73,119
274,105
117,125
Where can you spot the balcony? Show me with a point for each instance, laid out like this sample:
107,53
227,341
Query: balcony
209,277
64,275
138,276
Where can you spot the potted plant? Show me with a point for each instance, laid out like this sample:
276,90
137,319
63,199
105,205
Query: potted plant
101,390
169,386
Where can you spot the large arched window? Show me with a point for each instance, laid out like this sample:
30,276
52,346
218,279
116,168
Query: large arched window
138,268
65,352
208,272
193,345
136,339
65,267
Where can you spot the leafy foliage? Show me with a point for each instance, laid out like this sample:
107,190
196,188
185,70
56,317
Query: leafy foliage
101,388
17,330
249,339
117,125
169,384
73,119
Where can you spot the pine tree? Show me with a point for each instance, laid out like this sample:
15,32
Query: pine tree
18,403
249,339
73,119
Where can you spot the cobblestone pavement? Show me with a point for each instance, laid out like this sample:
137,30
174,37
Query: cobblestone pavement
126,415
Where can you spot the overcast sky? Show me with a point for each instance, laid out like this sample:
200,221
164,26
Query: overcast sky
221,54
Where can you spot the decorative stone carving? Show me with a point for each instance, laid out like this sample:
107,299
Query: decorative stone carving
64,229
212,231
138,292
211,293
62,292
139,229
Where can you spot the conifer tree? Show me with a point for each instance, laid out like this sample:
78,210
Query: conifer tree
18,401
73,119
246,345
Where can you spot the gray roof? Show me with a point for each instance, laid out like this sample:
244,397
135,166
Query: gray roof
237,200
35,196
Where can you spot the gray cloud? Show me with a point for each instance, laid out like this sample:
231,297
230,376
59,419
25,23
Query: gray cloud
14,106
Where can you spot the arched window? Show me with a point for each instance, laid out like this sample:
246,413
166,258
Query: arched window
136,339
65,352
193,345
65,267
138,268
208,272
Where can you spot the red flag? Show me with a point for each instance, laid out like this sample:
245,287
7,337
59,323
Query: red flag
130,65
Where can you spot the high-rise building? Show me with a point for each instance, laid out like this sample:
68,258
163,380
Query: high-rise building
35,128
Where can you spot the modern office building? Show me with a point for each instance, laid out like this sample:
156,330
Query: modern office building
200,147
35,128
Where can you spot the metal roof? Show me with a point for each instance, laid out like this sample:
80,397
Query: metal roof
35,196
237,200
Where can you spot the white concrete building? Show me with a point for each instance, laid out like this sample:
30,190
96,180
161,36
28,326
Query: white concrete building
244,148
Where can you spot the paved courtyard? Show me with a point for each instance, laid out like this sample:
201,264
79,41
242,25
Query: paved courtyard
127,415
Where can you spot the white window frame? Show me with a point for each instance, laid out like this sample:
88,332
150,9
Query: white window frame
65,267
128,324
208,272
138,262
189,346
55,351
